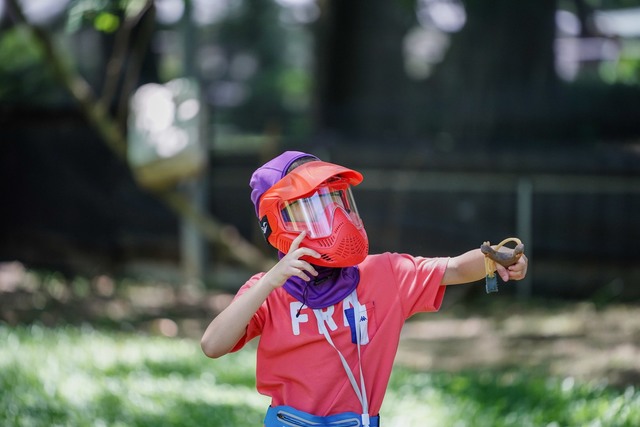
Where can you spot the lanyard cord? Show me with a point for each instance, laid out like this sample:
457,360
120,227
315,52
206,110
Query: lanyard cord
361,392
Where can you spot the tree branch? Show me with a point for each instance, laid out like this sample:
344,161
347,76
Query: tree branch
137,55
114,137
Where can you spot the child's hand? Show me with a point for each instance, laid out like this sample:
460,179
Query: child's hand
516,271
291,264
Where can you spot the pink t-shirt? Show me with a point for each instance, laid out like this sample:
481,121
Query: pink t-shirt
297,367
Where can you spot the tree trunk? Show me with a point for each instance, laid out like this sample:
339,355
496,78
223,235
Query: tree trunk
360,72
499,71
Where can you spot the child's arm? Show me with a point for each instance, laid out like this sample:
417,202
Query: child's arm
469,267
229,326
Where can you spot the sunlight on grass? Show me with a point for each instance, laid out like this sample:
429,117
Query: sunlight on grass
87,377
501,399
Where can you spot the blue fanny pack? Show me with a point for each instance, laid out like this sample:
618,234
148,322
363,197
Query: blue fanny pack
286,416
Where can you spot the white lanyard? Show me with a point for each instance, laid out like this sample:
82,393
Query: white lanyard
361,391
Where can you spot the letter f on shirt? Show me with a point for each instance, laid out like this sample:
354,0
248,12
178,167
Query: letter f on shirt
297,318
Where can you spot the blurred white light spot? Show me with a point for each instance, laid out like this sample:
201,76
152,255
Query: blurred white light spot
12,274
156,114
169,11
621,22
188,109
447,15
299,11
155,107
423,48
567,23
567,384
207,12
295,3
42,11
171,142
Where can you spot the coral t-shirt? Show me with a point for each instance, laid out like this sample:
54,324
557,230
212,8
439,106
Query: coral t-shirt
296,366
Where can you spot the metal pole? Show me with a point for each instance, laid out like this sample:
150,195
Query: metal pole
192,244
524,213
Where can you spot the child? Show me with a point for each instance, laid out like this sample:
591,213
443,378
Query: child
328,314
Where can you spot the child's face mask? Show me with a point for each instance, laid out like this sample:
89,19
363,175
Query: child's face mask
316,197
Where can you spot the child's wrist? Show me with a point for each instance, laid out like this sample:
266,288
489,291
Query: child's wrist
271,282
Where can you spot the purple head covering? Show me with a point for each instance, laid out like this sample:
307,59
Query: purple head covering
271,172
331,285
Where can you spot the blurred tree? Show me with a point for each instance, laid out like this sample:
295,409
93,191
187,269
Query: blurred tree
499,72
22,81
490,76
262,81
499,68
361,82
255,50
391,73
122,18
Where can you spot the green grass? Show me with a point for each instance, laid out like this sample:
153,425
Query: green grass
86,377
501,399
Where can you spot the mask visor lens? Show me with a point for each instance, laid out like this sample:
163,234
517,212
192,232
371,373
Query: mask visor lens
315,213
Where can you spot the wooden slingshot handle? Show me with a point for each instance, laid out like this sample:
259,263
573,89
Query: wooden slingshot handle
503,258
493,256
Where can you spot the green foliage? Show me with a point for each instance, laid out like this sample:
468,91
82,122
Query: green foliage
102,15
85,377
22,76
625,71
106,22
83,12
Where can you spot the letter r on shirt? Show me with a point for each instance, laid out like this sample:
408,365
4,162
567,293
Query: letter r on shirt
326,319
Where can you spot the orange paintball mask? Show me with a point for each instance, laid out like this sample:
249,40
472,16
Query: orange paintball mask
316,197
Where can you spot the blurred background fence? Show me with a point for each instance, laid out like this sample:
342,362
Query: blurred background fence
580,224
471,121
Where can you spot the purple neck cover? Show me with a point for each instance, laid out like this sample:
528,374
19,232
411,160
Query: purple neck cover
329,287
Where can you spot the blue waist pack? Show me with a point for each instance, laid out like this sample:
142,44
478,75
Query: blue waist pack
286,416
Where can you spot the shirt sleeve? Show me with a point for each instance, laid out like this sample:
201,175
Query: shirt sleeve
419,282
254,328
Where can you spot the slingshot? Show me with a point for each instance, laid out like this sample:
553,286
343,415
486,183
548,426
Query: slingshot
491,256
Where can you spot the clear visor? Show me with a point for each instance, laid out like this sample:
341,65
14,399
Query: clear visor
314,214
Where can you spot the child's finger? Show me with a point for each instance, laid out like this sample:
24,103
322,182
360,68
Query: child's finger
296,242
301,274
309,268
520,267
502,272
309,252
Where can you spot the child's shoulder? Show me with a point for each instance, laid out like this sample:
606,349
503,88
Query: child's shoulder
250,282
384,258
